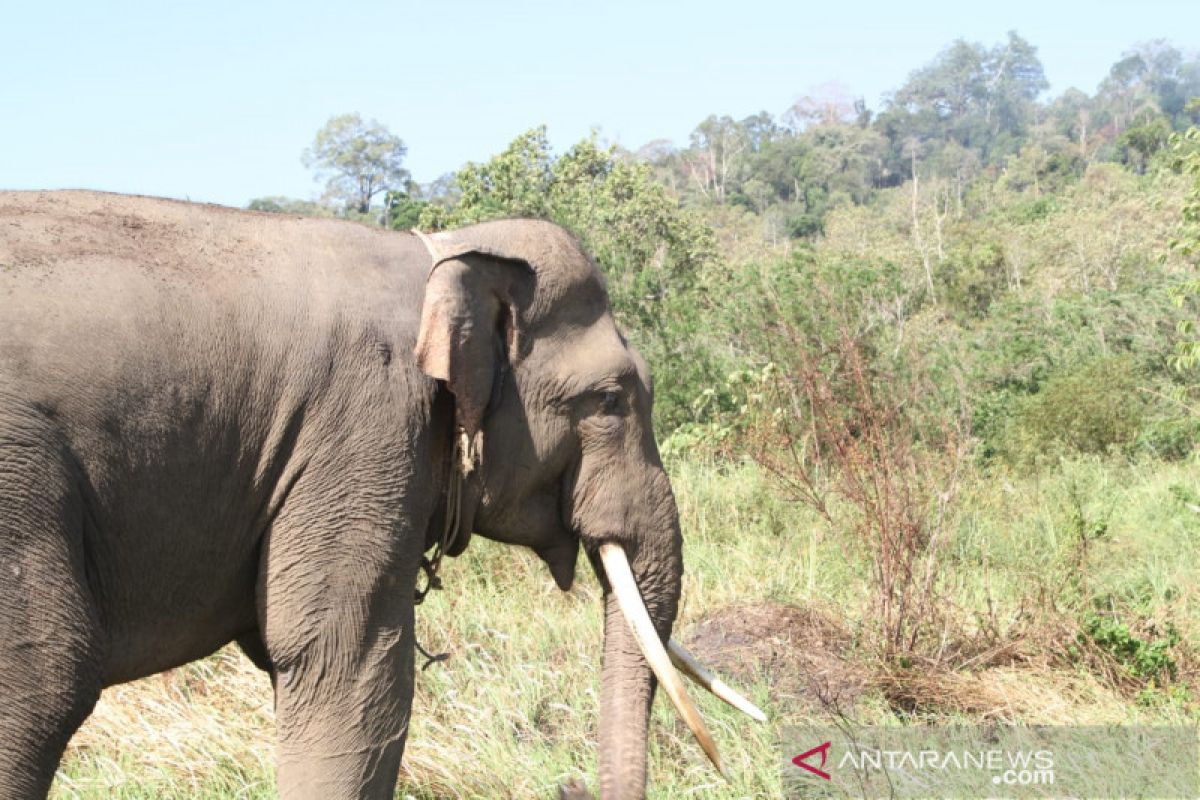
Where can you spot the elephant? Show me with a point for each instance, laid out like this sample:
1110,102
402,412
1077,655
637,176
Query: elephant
220,425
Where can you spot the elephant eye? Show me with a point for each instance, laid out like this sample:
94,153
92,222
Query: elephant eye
609,402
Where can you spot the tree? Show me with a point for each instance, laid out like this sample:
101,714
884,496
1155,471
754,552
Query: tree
1071,115
648,246
357,160
827,104
717,144
402,211
1152,78
1148,134
277,204
515,183
981,98
846,159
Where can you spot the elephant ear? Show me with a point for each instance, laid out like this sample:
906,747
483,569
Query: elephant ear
470,323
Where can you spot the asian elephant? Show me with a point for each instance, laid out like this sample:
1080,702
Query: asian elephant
220,425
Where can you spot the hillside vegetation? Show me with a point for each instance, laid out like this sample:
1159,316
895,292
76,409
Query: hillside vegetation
926,385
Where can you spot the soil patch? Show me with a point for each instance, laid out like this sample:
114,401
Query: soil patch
802,652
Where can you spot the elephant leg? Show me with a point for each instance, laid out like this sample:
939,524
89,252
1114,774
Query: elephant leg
50,637
336,614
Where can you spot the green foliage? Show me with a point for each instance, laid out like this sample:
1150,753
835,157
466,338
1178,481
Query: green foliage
977,97
1015,243
1043,167
972,111
1153,75
1185,149
288,205
403,211
1169,436
1147,657
357,160
515,183
1034,210
1139,143
1082,527
973,275
1025,361
1093,408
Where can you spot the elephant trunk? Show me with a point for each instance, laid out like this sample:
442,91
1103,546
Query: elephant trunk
639,557
627,680
626,691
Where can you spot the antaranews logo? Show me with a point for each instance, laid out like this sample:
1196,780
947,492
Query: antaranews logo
990,760
801,760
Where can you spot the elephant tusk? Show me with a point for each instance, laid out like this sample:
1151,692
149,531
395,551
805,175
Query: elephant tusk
629,600
689,665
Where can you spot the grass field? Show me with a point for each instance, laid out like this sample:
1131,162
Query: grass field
1069,597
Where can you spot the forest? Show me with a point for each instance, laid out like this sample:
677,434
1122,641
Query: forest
926,384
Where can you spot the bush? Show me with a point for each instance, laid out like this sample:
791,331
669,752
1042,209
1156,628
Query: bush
974,275
1146,657
863,438
1171,438
1095,408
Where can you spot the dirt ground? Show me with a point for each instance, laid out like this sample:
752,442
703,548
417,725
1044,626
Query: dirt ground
803,653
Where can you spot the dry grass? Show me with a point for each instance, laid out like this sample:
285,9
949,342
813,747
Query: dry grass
194,731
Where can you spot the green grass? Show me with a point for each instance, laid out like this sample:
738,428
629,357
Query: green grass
513,712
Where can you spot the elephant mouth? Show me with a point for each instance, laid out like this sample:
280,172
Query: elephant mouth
664,660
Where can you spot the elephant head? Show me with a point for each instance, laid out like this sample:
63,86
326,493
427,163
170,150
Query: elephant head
516,323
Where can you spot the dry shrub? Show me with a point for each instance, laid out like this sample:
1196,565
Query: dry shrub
864,440
1019,694
1043,669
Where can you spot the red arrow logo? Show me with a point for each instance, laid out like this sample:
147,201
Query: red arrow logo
823,749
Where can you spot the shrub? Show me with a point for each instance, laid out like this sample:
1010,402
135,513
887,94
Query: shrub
1095,408
1171,438
866,441
1147,657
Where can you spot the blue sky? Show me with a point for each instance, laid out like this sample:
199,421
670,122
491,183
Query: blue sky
215,100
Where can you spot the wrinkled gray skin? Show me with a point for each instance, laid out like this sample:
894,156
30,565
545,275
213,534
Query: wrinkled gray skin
219,425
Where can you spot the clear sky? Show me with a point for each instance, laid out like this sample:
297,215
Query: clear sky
215,100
